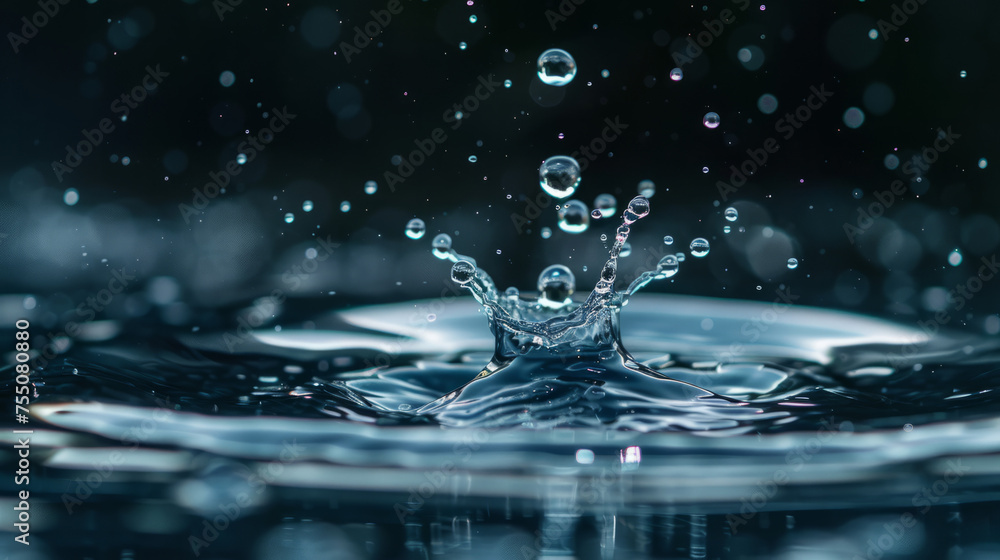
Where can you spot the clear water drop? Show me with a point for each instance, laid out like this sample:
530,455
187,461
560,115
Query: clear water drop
556,283
441,245
473,159
512,292
289,218
574,217
415,228
668,266
606,204
982,163
676,74
626,250
596,214
711,120
462,45
699,247
955,258
637,208
473,18
546,233
668,240
731,214
71,197
962,74
726,229
680,257
559,176
463,272
793,263
241,159
605,73
507,84
371,187
345,206
646,188
307,205
556,67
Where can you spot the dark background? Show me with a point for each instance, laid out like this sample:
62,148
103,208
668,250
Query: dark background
353,117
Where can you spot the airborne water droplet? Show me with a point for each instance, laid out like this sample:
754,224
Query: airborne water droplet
441,245
668,266
574,217
711,120
647,188
606,204
371,187
462,272
668,240
307,205
559,176
556,67
626,250
345,206
546,233
699,247
241,158
676,74
415,228
732,214
289,218
793,263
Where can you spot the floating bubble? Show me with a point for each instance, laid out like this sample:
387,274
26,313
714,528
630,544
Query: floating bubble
793,263
441,245
574,217
507,84
732,214
71,197
767,103
463,272
606,204
345,206
556,67
854,117
241,159
546,233
289,218
646,188
371,187
559,176
668,266
668,240
556,283
699,247
711,120
227,78
676,74
415,228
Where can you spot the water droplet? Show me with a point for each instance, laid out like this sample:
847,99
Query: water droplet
415,228
507,84
473,18
605,73
512,292
982,163
726,229
962,74
458,116
908,427
711,120
680,257
71,197
647,188
559,176
441,245
676,74
371,187
307,205
556,67
126,160
955,258
546,232
626,250
289,218
637,208
873,34
668,240
556,283
596,214
241,158
498,251
668,266
463,272
606,204
732,214
462,45
699,247
345,206
704,170
574,217
793,263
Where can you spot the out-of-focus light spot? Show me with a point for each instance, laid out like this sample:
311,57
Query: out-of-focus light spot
878,98
992,324
854,117
311,253
891,161
631,455
584,456
962,74
983,163
767,103
873,34
30,302
227,78
955,258
71,197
